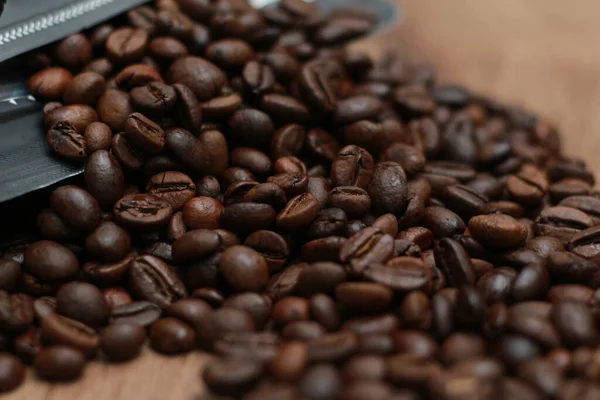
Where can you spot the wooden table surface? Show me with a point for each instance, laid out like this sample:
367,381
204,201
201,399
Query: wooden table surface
542,54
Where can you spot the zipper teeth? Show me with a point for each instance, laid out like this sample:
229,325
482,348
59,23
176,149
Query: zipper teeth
47,21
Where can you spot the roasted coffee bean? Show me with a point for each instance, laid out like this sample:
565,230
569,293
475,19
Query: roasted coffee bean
404,275
322,145
498,231
50,261
116,296
141,313
76,207
49,83
104,178
59,363
316,89
66,142
127,45
173,187
244,269
353,166
365,248
453,260
206,155
107,273
16,312
442,222
232,377
82,302
271,246
109,242
122,342
575,324
204,78
142,211
353,200
299,212
62,330
171,336
12,372
153,280
562,222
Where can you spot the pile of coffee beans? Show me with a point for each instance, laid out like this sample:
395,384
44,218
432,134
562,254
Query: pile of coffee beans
327,226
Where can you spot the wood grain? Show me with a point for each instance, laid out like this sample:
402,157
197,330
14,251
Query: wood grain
538,53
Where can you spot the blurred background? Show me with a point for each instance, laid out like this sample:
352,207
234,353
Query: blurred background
541,54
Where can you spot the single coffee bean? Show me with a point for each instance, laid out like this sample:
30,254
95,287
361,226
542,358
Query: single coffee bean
322,145
116,296
562,222
59,363
122,342
363,296
84,88
528,186
153,280
244,269
206,155
10,271
498,231
141,313
12,372
155,98
109,242
453,260
575,324
299,212
173,187
16,312
49,83
204,78
104,177
50,261
144,133
365,248
127,45
171,336
64,139
353,167
316,88
73,52
83,302
405,275
442,222
142,211
232,377
62,330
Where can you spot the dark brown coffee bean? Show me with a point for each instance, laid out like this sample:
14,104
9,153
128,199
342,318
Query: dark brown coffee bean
442,222
353,167
49,83
64,139
113,108
562,222
126,45
367,247
141,313
122,342
206,155
171,336
232,377
76,207
575,324
104,178
173,187
204,78
82,302
251,159
59,363
116,296
109,242
316,88
299,212
496,284
244,269
10,271
50,261
271,246
322,145
354,201
16,312
167,48
109,273
363,296
12,372
568,267
453,260
144,133
62,330
155,98
528,186
142,211
153,280
405,275
498,231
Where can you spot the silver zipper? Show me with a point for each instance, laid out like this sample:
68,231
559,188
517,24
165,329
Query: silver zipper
47,21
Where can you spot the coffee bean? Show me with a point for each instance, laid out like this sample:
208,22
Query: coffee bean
141,313
322,145
73,52
442,222
562,222
171,336
497,231
299,212
244,269
126,45
62,330
365,248
66,142
206,155
232,377
104,177
50,261
153,280
82,302
84,88
50,83
122,342
453,260
575,324
316,88
363,296
59,363
204,78
405,275
142,211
